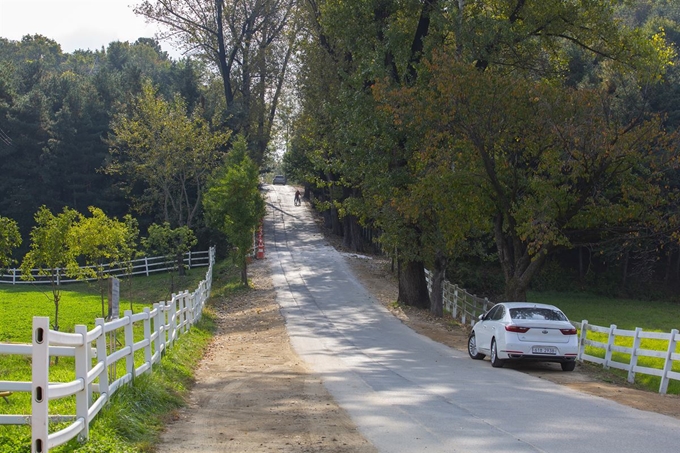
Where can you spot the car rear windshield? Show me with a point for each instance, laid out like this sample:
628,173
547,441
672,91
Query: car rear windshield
539,314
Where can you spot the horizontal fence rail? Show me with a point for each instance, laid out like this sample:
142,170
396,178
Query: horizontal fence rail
139,266
463,306
95,359
619,348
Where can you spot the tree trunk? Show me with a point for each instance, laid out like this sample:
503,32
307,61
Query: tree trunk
336,223
438,277
519,267
515,290
244,270
412,285
626,265
180,264
352,239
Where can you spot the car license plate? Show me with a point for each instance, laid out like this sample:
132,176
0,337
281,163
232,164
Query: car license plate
543,350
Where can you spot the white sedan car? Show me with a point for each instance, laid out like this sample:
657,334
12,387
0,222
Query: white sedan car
524,331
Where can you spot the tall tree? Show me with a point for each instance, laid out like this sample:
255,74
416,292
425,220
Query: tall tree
233,203
159,145
548,163
389,41
249,42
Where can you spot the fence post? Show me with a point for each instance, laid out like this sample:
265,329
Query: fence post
610,342
82,359
129,343
146,265
199,300
58,277
147,336
668,365
173,319
189,259
634,355
40,384
157,329
163,326
102,356
582,340
14,276
191,311
183,312
455,301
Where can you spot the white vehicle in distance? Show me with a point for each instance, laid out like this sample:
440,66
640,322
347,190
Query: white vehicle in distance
524,331
279,179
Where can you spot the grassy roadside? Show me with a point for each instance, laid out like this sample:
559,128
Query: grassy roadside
133,419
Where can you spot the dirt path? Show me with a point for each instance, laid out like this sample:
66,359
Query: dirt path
253,394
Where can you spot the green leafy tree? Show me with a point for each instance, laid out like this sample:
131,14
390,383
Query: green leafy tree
233,204
556,163
10,238
391,44
172,243
171,153
103,242
53,252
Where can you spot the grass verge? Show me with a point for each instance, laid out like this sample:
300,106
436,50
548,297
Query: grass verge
136,415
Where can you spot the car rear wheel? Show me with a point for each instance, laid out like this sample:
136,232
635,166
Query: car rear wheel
568,366
495,361
472,348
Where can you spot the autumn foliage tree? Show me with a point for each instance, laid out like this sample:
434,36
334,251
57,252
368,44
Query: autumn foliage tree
543,163
434,168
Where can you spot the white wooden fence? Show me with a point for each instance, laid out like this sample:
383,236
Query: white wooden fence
633,352
139,266
463,306
466,308
161,325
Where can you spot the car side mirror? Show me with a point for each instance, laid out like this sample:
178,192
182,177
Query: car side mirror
481,317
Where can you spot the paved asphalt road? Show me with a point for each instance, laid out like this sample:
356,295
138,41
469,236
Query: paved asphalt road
407,393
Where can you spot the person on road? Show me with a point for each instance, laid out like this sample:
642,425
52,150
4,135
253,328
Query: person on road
297,198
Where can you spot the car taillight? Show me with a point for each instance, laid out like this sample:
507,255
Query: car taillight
518,329
568,331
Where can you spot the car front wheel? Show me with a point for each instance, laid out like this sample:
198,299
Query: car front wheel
568,366
495,361
472,348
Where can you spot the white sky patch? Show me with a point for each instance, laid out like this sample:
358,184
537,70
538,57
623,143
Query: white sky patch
84,24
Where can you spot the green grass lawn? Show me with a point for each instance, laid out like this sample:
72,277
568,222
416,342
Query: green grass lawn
81,304
602,311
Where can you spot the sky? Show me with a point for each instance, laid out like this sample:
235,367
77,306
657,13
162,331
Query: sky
83,24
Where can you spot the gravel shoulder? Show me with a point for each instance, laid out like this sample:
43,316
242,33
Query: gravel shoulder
253,394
